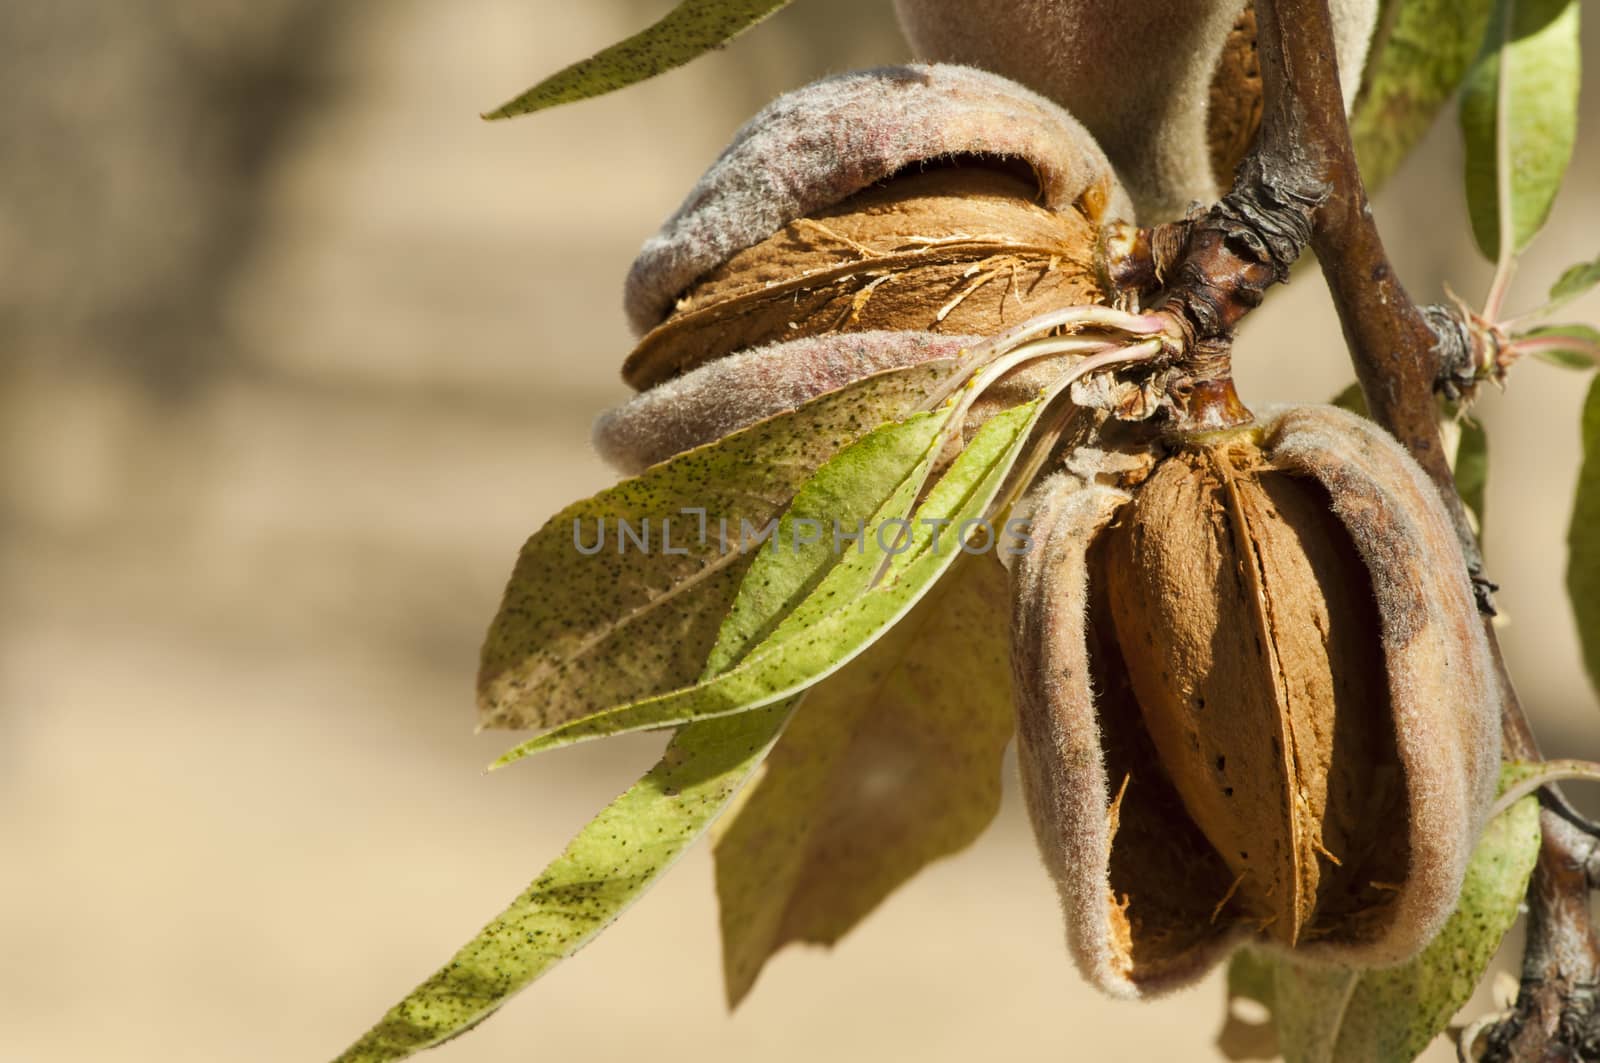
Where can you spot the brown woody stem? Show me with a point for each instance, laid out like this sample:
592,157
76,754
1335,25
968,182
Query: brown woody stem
1397,359
1300,186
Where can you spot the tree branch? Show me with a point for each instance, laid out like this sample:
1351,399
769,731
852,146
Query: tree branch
1298,186
1397,357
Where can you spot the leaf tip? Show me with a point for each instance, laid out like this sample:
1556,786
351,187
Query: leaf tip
504,111
510,756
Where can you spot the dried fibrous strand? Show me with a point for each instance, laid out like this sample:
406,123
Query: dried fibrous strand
950,250
813,148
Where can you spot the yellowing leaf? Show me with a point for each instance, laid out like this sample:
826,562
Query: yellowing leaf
888,765
577,632
848,610
687,32
1421,50
1519,115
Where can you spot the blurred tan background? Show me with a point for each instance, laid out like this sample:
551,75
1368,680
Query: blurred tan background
296,352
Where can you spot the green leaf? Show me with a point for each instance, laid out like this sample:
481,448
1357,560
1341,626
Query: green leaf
1531,777
1310,1006
1567,359
687,32
1516,773
1583,539
1580,353
1351,399
874,474
1420,51
1389,1015
606,868
888,765
1519,116
1472,469
848,610
1327,1013
1575,281
579,633
849,490
623,850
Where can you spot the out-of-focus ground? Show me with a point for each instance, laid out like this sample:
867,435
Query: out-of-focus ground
296,352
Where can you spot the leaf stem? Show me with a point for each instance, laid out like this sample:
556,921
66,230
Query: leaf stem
1535,345
1101,355
1046,440
1506,259
1550,771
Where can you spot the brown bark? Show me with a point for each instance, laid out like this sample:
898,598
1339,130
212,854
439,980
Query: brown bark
1396,353
1300,186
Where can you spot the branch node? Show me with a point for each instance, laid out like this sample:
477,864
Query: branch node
1455,352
